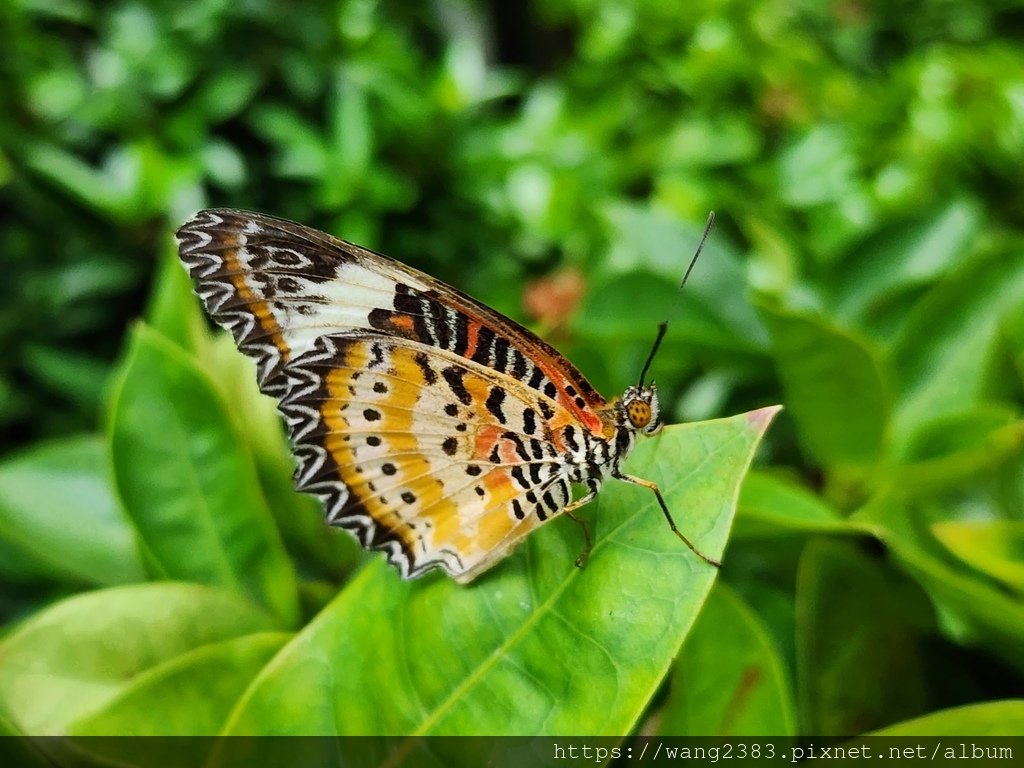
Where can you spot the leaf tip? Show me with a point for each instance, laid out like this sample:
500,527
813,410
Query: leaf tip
762,417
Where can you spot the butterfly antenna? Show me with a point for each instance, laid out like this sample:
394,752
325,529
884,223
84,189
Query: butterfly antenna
700,246
663,325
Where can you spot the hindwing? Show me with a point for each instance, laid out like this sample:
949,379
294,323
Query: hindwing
432,458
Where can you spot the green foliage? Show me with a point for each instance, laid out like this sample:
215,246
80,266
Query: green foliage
471,661
729,683
84,652
188,483
867,271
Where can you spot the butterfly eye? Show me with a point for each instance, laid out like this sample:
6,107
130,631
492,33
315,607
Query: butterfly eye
639,413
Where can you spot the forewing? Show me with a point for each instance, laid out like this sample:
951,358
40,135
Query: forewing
432,458
279,286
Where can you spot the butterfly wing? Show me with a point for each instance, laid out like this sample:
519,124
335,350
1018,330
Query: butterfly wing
436,460
279,286
428,424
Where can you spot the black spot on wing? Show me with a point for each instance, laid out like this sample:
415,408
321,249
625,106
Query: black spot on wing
520,477
461,334
529,421
536,377
377,356
494,401
410,305
484,344
518,365
453,377
501,347
429,375
546,410
444,323
569,435
287,284
517,509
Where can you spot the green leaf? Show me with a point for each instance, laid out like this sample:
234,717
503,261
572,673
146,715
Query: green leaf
994,547
477,659
1012,330
59,513
729,683
173,309
103,191
300,151
79,378
969,608
944,354
990,718
817,168
708,142
859,660
351,141
835,387
770,504
188,481
80,653
224,94
909,256
188,695
954,448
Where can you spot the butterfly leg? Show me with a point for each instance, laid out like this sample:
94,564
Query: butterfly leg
664,508
592,489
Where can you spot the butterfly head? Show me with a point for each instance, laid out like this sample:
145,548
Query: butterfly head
638,409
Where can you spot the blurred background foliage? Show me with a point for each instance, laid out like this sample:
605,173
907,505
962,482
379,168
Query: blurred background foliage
557,161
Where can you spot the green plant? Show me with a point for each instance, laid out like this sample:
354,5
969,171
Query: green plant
867,272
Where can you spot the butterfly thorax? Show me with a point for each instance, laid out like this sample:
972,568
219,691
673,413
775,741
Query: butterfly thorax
594,457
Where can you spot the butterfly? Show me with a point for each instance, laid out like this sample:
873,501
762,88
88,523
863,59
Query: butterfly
430,426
